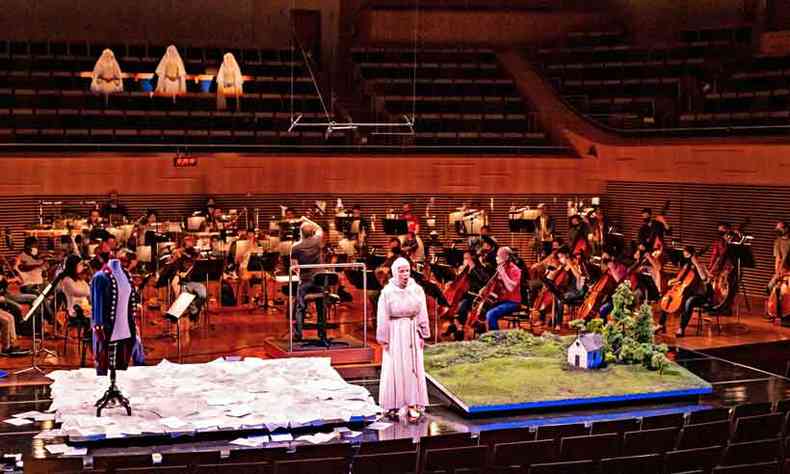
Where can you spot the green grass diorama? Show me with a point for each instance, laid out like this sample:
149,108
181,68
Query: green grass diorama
516,367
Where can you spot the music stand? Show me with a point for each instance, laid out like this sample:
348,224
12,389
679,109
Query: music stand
744,258
396,226
38,306
675,256
209,269
174,314
521,226
265,262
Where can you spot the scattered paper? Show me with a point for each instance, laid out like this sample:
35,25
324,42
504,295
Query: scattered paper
318,437
28,414
48,434
44,417
18,421
280,437
70,451
246,442
173,422
56,448
240,410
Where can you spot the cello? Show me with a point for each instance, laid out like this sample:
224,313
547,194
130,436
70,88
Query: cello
557,278
455,291
778,304
673,298
592,302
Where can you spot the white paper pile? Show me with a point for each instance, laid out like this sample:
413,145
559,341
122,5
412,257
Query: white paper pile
176,398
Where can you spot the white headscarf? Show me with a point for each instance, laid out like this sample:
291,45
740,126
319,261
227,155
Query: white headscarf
229,64
399,263
106,59
171,54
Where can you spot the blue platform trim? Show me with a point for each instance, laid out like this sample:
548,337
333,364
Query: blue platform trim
589,401
591,418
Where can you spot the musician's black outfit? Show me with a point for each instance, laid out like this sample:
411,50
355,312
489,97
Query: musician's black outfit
189,284
697,295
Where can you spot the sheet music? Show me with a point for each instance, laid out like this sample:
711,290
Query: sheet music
180,304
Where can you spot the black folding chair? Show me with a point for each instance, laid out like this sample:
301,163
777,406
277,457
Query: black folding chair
577,448
649,441
752,428
702,435
752,452
644,463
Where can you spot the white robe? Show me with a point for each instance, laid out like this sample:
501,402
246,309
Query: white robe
402,324
171,74
106,77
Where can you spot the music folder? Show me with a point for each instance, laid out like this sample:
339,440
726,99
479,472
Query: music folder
180,305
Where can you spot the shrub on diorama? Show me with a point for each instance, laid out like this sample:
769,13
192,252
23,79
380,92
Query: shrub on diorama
628,336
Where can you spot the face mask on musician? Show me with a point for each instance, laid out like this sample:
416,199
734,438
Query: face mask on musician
780,232
34,251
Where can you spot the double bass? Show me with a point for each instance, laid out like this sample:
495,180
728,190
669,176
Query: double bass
455,291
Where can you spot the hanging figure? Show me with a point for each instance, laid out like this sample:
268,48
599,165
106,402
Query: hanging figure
229,82
106,77
402,327
171,74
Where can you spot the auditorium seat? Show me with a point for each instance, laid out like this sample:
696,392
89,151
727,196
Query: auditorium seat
752,428
703,435
751,409
577,448
567,467
752,452
510,435
702,459
762,468
663,421
468,459
644,463
467,83
658,440
615,426
515,457
708,415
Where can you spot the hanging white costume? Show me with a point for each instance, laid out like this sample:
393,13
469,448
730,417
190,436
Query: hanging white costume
171,74
230,82
402,325
106,77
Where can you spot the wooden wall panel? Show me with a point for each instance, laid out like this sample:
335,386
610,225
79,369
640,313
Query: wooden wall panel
238,174
487,27
697,208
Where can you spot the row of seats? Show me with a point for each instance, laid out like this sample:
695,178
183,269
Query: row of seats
747,439
460,96
666,85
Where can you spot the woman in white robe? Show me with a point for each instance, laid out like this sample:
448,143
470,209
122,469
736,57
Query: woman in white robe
229,82
106,77
171,74
403,325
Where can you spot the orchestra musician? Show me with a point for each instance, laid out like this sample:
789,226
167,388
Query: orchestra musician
113,211
412,221
488,252
597,234
307,251
508,299
781,245
544,232
476,242
76,290
695,296
183,259
576,286
413,247
722,265
618,272
778,287
577,236
478,276
30,267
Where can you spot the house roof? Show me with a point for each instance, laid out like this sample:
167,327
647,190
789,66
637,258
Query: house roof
591,341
